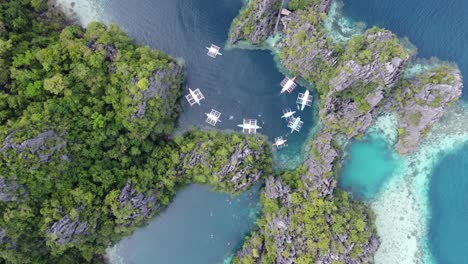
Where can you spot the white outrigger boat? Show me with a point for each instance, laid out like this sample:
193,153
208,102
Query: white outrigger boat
304,99
288,85
280,143
194,96
213,117
295,124
213,51
249,126
288,113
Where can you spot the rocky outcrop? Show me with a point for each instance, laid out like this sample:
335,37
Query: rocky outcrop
238,171
256,21
66,229
424,100
241,177
10,190
320,165
305,49
110,51
386,72
159,84
290,238
357,92
3,236
142,206
44,145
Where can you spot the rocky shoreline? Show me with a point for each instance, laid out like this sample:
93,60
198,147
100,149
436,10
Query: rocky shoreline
356,82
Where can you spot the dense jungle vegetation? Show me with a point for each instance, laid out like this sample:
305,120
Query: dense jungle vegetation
85,118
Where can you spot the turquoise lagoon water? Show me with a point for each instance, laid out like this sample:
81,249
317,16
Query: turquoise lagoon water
370,163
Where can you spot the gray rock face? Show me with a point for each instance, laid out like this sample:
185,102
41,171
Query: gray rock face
306,49
10,190
257,23
143,205
320,166
66,229
425,107
288,235
158,86
242,176
3,236
369,81
387,73
110,50
44,145
237,170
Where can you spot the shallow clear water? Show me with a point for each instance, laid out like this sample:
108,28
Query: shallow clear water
371,162
200,227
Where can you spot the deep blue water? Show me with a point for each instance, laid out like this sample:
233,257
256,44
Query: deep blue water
437,28
200,227
240,84
449,200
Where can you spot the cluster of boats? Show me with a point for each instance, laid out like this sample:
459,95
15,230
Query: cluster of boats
250,126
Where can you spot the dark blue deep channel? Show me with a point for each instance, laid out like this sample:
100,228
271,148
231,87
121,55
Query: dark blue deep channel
437,28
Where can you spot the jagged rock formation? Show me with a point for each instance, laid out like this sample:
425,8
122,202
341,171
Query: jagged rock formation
424,99
110,50
3,236
237,170
305,49
320,165
66,229
142,206
10,190
286,230
256,22
358,90
44,145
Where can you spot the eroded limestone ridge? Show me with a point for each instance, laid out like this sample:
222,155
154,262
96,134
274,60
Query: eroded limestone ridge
421,101
256,22
356,83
